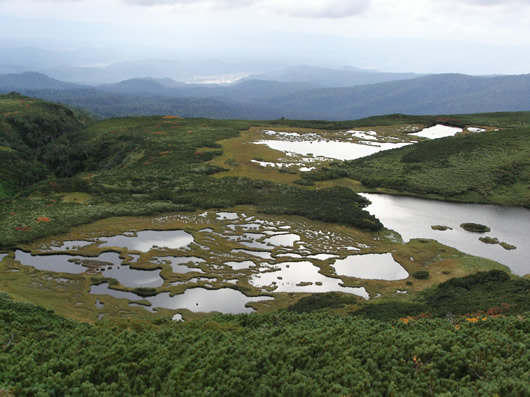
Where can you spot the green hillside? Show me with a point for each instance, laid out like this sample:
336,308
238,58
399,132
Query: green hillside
490,167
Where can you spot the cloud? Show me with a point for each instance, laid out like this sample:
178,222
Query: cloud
318,8
295,8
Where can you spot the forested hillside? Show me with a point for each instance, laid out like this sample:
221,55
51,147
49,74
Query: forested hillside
27,127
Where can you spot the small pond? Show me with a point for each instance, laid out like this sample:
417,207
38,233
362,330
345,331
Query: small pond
134,278
178,263
370,267
111,266
437,131
69,245
240,265
413,218
52,263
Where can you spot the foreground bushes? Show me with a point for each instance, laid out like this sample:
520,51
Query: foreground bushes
278,353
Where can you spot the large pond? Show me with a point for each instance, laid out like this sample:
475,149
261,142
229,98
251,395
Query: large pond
413,218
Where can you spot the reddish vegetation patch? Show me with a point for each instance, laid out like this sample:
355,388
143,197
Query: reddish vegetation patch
43,219
88,177
13,213
23,228
165,153
170,117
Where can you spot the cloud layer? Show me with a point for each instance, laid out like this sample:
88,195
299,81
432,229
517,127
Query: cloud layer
307,8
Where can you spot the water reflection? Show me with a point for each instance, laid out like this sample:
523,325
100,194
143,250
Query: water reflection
177,263
134,278
370,267
53,263
224,300
331,149
438,131
413,218
146,240
301,277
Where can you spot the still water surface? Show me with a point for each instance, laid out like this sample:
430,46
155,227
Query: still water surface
413,218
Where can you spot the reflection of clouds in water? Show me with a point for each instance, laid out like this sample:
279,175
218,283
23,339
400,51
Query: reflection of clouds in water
413,218
290,274
371,267
146,240
330,149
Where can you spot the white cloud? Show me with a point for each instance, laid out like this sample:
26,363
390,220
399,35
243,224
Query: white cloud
295,8
318,8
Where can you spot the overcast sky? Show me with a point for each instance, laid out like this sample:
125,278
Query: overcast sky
469,36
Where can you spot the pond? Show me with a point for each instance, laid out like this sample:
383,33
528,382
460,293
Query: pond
146,240
134,278
413,218
53,263
224,300
68,245
110,266
178,263
301,277
438,131
370,267
331,149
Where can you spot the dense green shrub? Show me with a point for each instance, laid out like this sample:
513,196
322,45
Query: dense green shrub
421,275
271,354
322,301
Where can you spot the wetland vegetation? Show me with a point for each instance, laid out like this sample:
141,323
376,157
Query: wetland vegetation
119,226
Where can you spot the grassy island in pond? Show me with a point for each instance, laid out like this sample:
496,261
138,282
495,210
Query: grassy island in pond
475,227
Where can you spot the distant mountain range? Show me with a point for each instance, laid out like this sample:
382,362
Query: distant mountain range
306,95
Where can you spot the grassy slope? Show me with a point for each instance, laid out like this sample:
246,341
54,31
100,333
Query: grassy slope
492,167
